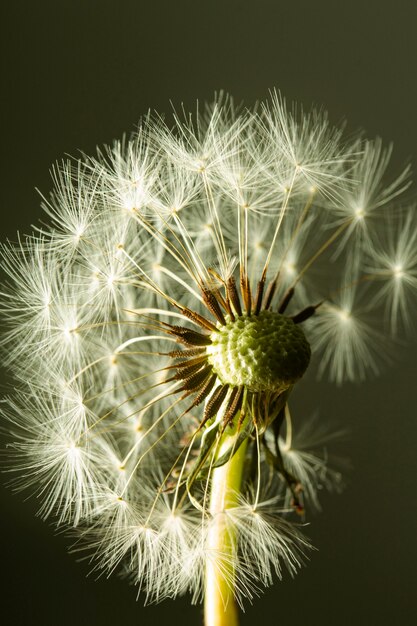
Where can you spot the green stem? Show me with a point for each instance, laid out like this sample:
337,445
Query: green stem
220,607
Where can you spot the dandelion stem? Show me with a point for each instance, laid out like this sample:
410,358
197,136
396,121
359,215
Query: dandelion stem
220,604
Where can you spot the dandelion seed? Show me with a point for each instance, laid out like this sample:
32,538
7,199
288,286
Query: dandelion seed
159,326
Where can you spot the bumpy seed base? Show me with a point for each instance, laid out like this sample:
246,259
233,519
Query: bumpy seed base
262,352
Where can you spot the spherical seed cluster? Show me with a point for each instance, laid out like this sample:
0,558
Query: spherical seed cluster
145,330
265,352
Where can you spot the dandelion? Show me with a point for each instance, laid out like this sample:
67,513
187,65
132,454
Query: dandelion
157,328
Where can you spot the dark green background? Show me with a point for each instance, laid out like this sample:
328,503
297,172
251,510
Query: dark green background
80,73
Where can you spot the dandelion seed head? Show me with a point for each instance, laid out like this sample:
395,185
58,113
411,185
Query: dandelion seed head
191,277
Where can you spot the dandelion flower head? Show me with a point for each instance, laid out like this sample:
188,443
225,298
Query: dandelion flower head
189,278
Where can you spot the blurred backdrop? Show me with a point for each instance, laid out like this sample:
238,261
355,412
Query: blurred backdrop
80,73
